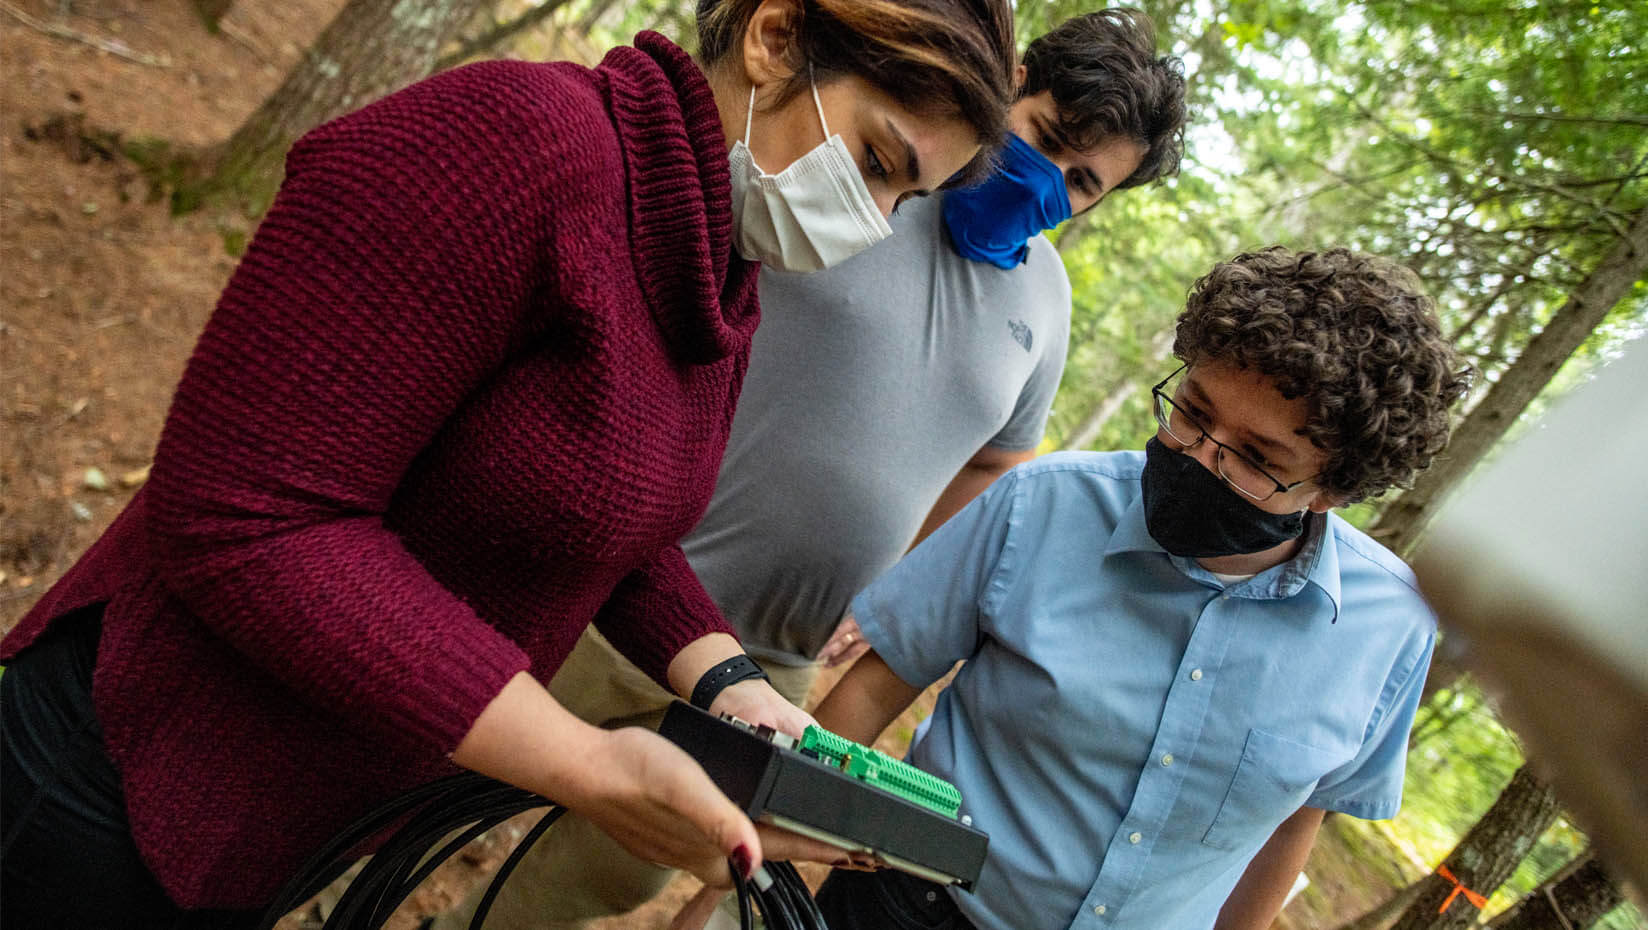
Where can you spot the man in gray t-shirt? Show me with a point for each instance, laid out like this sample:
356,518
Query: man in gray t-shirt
870,385
882,395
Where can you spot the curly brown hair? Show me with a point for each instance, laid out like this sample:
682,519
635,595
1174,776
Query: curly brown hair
1352,334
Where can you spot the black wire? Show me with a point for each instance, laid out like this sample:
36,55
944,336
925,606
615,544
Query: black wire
467,804
767,909
321,868
776,909
509,865
801,898
404,860
746,916
447,814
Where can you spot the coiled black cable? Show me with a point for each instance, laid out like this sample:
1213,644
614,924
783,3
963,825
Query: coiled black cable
789,881
466,804
440,818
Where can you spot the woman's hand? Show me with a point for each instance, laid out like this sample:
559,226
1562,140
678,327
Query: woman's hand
658,804
757,701
633,784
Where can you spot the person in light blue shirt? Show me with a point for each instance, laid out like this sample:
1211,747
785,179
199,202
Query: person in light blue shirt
1177,660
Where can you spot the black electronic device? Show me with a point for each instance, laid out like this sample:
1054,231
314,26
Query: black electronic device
778,784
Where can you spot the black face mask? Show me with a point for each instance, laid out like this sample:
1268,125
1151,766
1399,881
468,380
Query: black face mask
1191,512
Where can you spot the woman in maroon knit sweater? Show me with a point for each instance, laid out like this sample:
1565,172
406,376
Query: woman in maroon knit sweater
469,385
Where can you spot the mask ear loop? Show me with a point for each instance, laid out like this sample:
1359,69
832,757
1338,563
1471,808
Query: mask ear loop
814,82
749,112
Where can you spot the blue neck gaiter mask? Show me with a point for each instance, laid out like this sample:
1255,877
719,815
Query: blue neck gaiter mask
991,222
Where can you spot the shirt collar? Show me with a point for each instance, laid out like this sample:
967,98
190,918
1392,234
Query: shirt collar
1317,562
1131,535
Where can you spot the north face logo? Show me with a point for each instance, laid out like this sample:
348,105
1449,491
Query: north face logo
1021,333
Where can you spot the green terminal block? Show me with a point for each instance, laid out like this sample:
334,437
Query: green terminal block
882,771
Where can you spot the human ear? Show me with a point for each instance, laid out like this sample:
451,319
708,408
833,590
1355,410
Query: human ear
1019,74
771,49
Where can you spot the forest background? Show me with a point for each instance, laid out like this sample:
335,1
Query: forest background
1500,149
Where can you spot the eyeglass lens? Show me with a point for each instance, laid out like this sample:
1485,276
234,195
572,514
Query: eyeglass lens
1234,467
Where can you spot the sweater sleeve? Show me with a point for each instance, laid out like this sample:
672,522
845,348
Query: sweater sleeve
656,611
386,282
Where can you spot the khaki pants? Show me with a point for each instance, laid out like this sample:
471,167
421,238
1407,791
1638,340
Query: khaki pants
576,873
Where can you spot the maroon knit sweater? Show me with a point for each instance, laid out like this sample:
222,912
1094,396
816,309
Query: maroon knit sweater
471,382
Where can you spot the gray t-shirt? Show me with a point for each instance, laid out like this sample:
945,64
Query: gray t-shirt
869,386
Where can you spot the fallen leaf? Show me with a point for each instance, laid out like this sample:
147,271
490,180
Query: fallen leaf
95,479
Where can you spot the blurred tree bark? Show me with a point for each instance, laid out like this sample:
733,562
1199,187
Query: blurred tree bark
592,15
1576,897
498,33
372,47
1451,897
1402,522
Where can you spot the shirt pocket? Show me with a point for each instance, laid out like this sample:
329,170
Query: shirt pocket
1273,779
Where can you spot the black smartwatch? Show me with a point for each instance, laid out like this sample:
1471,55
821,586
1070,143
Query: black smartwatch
726,672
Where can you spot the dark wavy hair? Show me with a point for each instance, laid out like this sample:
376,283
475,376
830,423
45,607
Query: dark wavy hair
1107,81
1355,336
935,57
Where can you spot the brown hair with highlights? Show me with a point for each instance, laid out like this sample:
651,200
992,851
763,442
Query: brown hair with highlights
1352,334
934,57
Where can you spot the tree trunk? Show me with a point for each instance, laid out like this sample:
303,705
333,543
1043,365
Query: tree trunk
1487,856
211,11
371,48
1382,914
592,16
1573,899
1401,523
495,36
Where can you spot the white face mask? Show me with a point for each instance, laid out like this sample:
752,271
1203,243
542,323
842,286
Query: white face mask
816,213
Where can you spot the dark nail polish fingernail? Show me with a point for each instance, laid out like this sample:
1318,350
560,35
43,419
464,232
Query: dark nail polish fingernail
741,861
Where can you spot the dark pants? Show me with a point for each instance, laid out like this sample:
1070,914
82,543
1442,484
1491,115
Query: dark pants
67,859
887,900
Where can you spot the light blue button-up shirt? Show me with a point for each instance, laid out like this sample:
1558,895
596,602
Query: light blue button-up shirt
1127,729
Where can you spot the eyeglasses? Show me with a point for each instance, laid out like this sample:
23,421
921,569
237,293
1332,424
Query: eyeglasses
1238,471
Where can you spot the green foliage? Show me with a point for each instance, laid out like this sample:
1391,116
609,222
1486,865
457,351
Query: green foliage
234,241
1130,263
1460,758
611,24
1497,151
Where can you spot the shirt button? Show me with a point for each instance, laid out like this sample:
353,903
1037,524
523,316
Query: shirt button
1135,837
1167,758
1100,910
1195,674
